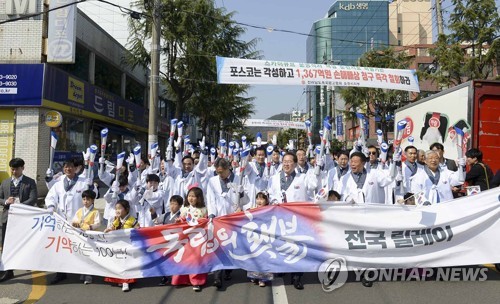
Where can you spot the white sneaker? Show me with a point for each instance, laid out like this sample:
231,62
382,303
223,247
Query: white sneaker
197,288
125,287
88,280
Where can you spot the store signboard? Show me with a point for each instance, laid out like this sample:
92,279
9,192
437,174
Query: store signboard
61,32
21,84
69,94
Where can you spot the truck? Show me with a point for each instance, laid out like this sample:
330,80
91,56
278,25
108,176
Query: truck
472,107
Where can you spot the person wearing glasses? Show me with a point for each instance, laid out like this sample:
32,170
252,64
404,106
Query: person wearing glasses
373,157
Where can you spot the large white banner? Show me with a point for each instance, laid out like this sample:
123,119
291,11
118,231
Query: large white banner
247,71
289,237
275,123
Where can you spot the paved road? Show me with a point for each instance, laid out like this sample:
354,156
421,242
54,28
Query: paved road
239,290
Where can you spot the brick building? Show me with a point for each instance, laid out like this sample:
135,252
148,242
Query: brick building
98,90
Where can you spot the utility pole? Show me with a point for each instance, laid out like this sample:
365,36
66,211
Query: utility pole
154,79
439,17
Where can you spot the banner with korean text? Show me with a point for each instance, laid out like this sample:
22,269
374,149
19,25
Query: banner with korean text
290,237
275,123
247,71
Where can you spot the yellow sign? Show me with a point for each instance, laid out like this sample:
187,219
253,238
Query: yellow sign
53,119
76,90
6,141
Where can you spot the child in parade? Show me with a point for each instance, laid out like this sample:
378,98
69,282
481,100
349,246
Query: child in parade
145,198
118,191
257,277
193,209
123,220
87,218
169,217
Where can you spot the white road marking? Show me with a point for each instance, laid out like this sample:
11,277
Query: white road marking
279,291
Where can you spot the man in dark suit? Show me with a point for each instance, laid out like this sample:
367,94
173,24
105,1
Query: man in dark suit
14,190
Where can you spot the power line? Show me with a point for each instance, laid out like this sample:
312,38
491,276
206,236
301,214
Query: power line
40,13
132,13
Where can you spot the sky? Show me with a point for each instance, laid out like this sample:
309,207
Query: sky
294,15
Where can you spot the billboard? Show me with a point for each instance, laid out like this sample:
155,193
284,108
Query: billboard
21,84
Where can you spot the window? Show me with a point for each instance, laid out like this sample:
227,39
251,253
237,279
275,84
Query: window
80,68
399,30
107,76
134,91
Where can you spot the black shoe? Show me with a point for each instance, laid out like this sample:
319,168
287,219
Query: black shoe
297,283
366,283
6,275
164,281
218,284
227,277
58,278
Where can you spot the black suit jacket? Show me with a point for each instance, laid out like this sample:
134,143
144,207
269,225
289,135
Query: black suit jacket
27,194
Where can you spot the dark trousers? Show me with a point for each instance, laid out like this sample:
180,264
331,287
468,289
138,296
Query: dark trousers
297,275
218,274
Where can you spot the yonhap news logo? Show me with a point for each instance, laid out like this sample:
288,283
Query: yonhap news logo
333,274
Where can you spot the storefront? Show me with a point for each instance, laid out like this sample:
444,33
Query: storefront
35,89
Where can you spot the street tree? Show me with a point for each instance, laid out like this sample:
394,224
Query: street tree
471,50
193,32
372,102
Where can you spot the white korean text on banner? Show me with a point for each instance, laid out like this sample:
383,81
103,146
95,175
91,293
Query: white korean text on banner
247,71
291,237
275,123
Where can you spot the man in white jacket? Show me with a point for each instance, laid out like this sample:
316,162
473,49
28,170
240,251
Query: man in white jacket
435,181
65,198
365,186
224,196
292,186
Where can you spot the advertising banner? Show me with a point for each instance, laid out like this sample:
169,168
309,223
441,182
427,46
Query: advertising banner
275,124
247,71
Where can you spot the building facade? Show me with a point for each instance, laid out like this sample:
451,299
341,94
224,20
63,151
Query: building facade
98,90
348,30
410,22
351,28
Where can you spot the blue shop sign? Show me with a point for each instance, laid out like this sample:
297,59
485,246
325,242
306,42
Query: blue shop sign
21,84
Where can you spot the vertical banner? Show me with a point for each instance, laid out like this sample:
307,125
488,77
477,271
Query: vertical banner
62,32
366,123
6,141
340,125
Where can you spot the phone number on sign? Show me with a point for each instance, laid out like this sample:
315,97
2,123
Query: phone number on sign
8,77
